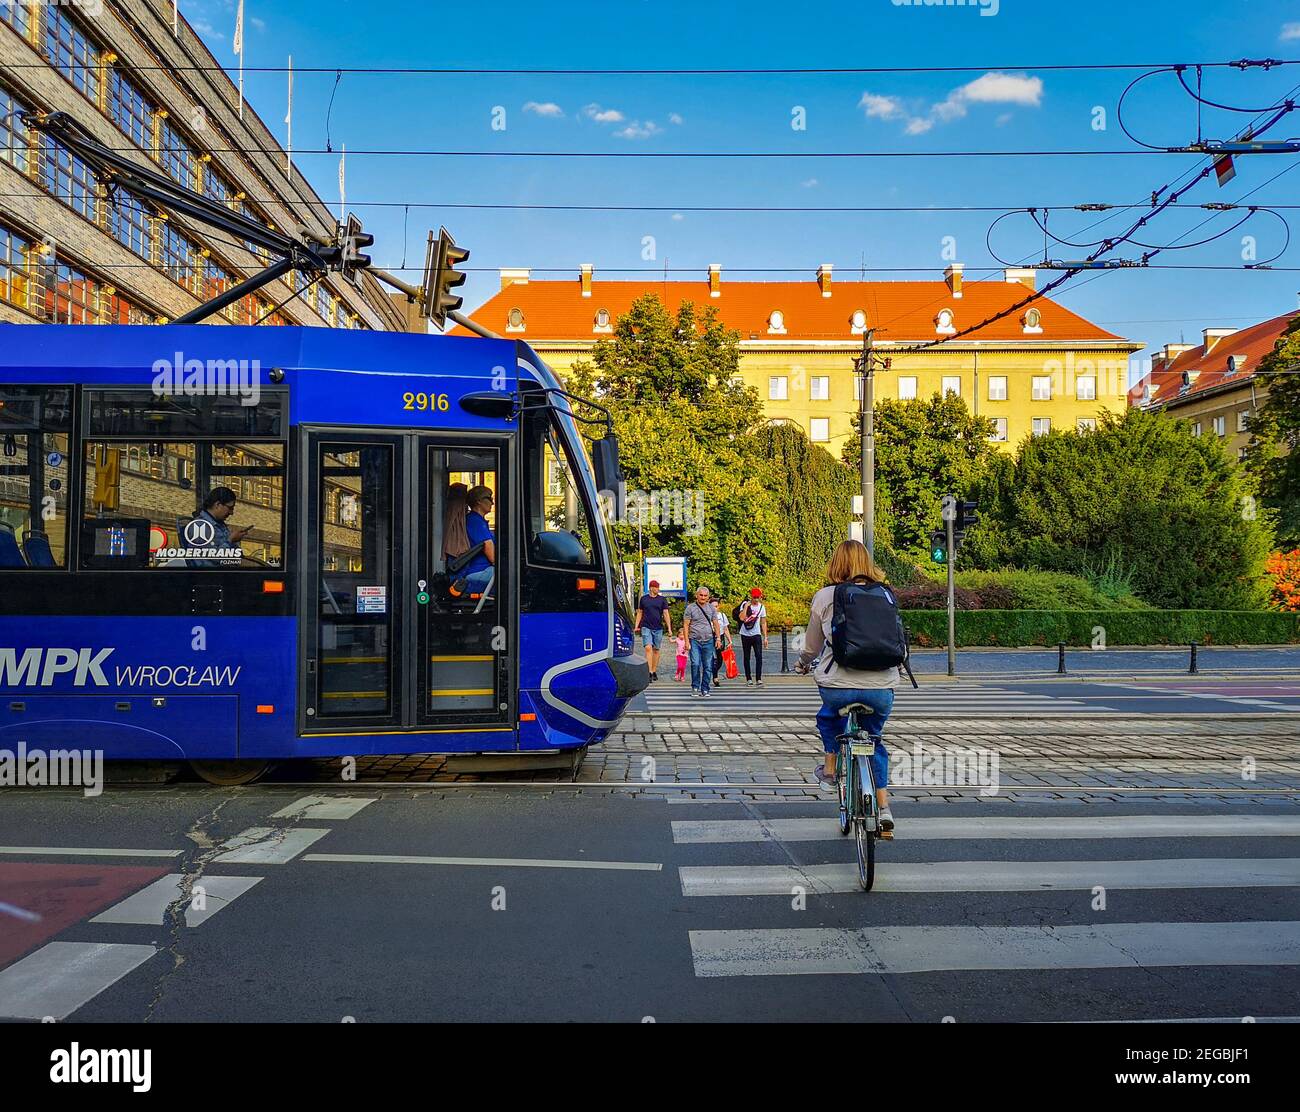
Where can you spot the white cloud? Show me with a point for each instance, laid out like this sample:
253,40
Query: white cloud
1004,88
260,24
674,118
811,183
1290,32
547,108
678,216
1004,119
637,130
603,115
881,108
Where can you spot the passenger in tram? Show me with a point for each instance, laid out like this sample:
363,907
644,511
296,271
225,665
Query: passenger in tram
478,574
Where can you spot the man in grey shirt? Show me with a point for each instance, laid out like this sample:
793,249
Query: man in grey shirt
700,625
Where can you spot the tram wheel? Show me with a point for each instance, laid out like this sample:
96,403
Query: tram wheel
230,774
579,755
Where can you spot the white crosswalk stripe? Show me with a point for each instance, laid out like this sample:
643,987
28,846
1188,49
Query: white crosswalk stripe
802,700
988,944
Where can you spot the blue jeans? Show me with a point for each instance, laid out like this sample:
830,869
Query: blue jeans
830,725
476,581
701,664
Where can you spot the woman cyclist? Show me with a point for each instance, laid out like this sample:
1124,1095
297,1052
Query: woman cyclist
841,686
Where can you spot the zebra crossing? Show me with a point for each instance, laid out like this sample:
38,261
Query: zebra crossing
948,888
789,698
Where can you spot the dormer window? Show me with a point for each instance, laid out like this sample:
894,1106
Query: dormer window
859,321
1236,363
602,321
943,323
776,321
1033,322
515,320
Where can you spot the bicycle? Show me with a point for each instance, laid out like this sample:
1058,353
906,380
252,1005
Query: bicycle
859,809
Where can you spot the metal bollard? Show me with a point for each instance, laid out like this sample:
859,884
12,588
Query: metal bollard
785,652
1193,669
1060,658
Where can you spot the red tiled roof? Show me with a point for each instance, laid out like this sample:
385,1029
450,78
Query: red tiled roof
1210,370
899,311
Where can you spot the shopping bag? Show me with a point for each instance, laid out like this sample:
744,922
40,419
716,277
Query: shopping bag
729,660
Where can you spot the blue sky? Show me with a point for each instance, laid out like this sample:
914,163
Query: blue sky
987,108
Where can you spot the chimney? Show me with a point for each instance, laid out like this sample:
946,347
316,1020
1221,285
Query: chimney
1214,335
953,277
824,279
1170,352
584,276
1021,276
715,279
515,275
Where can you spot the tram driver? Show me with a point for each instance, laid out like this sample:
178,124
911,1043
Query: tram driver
478,574
218,507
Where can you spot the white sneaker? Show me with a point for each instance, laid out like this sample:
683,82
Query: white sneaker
886,820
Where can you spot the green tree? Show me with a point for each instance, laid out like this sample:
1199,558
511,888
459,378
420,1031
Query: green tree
925,448
1139,493
1273,457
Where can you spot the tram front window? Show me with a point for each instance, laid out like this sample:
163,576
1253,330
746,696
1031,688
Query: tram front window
34,425
559,530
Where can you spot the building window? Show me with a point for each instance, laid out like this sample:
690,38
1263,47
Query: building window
952,385
776,321
943,323
66,296
777,388
1243,417
1041,426
34,479
68,178
14,13
998,388
999,433
129,110
819,388
515,320
181,260
1220,426
14,281
177,157
819,430
1033,322
1042,388
1196,428
1085,389
13,133
71,52
1086,424
130,223
602,320
859,321
907,388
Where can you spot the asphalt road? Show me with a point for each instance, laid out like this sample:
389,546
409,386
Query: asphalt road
565,903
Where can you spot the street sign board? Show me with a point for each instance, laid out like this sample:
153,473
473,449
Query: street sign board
670,571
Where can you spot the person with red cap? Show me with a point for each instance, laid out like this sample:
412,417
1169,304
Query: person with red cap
753,634
653,619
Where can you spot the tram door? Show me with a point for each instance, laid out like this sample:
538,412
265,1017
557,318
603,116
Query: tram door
407,586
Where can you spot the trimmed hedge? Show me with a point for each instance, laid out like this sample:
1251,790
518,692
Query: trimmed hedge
1016,628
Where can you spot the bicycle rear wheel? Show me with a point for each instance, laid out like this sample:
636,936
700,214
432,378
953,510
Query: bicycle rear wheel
845,764
865,823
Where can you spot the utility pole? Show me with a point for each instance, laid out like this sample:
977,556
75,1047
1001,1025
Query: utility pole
867,433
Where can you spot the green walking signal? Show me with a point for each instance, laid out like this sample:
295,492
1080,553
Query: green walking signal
939,546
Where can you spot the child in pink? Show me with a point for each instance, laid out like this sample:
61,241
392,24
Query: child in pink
681,658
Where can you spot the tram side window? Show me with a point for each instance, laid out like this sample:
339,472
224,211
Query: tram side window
34,430
199,505
555,513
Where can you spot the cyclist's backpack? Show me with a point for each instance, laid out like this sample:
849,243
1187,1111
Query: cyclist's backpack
866,629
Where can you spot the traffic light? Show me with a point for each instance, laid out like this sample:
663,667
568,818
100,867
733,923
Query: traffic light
351,240
939,546
441,277
967,516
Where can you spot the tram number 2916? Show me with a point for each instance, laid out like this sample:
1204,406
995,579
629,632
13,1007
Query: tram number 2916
422,401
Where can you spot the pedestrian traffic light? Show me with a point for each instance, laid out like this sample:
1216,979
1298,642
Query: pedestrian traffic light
939,546
441,277
351,240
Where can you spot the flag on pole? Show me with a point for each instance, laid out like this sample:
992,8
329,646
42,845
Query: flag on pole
343,195
238,44
176,17
1225,170
288,120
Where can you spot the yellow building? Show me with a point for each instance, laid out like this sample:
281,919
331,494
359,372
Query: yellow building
1040,368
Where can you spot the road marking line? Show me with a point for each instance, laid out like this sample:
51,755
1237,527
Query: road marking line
317,807
921,949
60,977
993,876
520,862
984,826
86,851
148,906
267,845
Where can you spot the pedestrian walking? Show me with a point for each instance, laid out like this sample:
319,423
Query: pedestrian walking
700,624
753,635
724,643
682,659
652,621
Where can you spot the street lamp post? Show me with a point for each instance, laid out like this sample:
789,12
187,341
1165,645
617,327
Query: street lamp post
867,432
